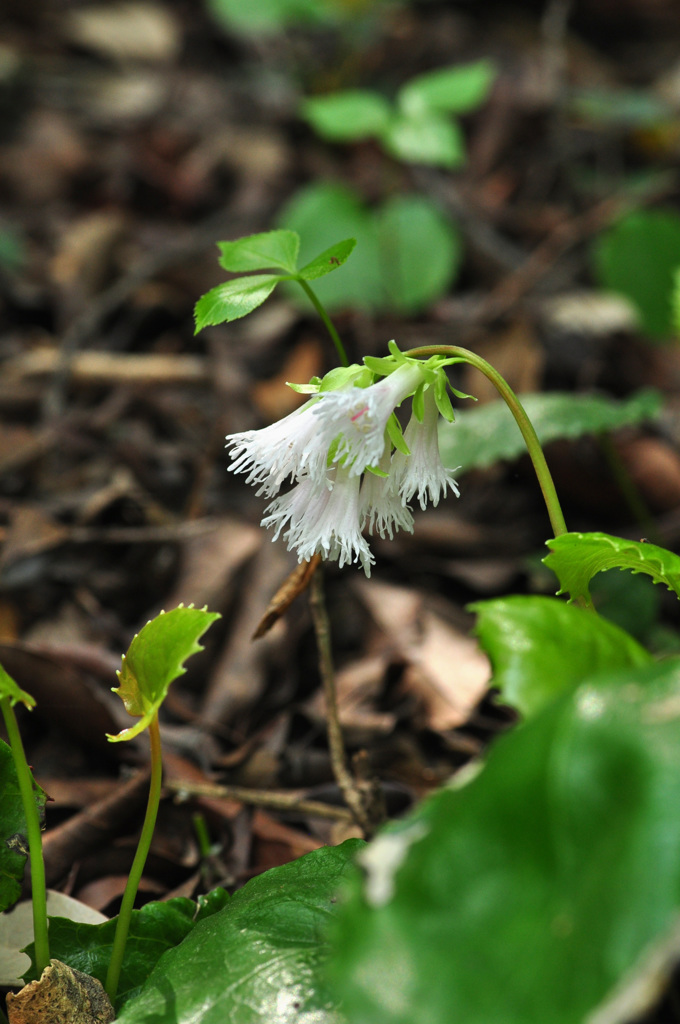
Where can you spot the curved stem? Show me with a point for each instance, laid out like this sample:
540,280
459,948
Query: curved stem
123,923
33,835
313,298
545,480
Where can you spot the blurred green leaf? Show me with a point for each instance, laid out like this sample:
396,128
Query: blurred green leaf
261,252
260,959
425,138
632,602
526,639
234,299
155,658
576,557
347,116
543,888
420,252
638,257
629,108
456,90
261,16
483,435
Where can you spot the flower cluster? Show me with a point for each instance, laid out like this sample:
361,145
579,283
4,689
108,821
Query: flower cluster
351,467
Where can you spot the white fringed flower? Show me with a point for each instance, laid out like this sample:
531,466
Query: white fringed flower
288,448
357,417
422,471
382,509
322,520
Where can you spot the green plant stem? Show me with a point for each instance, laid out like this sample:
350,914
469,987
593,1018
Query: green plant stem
123,923
33,835
335,337
545,480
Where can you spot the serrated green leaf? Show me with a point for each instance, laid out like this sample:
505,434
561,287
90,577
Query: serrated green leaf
328,261
538,890
260,958
234,299
347,116
13,841
576,557
638,257
484,435
540,647
457,90
420,251
261,252
425,138
155,658
8,688
154,929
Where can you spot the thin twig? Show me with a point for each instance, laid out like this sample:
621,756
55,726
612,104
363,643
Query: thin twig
348,786
261,798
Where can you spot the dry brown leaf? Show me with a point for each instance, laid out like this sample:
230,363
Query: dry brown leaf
62,994
272,397
515,353
294,585
125,31
30,532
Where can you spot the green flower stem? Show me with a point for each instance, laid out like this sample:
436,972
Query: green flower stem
123,924
545,480
313,298
33,835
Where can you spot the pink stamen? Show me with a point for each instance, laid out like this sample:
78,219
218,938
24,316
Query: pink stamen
358,414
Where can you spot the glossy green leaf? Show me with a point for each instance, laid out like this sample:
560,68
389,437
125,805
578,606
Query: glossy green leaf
576,557
260,959
540,647
457,90
538,890
155,658
638,257
277,249
8,688
154,929
425,138
347,116
321,213
420,252
13,841
328,261
483,435
234,299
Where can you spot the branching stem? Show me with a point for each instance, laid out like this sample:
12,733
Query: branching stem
134,878
33,835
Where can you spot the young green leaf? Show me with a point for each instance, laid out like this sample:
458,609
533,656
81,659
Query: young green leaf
234,299
155,658
347,116
483,436
328,261
539,889
8,688
154,929
576,557
638,257
261,252
259,959
425,138
13,841
541,647
456,90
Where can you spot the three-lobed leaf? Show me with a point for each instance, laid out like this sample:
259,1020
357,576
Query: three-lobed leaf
234,299
456,90
538,890
269,249
259,959
330,259
540,647
347,116
425,137
155,658
486,434
576,557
